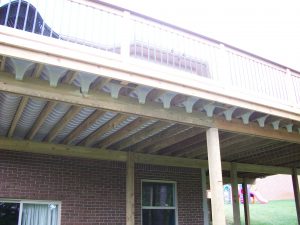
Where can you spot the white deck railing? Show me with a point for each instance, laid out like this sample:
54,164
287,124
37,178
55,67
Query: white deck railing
113,29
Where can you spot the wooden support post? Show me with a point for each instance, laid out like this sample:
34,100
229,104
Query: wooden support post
204,197
246,203
296,192
235,195
130,190
215,176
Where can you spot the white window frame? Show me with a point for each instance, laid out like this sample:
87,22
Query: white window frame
23,201
175,207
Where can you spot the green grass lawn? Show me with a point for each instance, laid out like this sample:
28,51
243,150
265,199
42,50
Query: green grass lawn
273,213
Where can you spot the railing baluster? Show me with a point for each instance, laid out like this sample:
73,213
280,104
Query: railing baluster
296,85
89,23
290,88
26,16
17,14
223,75
127,30
35,18
7,13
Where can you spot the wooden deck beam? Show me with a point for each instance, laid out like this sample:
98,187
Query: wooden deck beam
18,115
2,63
183,146
120,134
225,139
104,154
70,77
103,129
245,150
38,70
156,147
101,83
72,95
157,138
77,57
83,126
139,136
262,153
41,119
62,123
191,149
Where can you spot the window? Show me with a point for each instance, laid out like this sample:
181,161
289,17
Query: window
19,212
159,203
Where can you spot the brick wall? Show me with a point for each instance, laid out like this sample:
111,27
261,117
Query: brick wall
91,191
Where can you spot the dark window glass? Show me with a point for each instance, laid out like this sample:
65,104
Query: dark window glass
158,216
9,213
158,194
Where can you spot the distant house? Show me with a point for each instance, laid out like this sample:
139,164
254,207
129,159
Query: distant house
276,187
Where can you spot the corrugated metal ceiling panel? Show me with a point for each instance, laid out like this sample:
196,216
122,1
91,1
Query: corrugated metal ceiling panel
78,119
8,106
102,120
58,112
29,116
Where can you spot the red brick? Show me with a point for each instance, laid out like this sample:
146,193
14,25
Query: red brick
92,192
